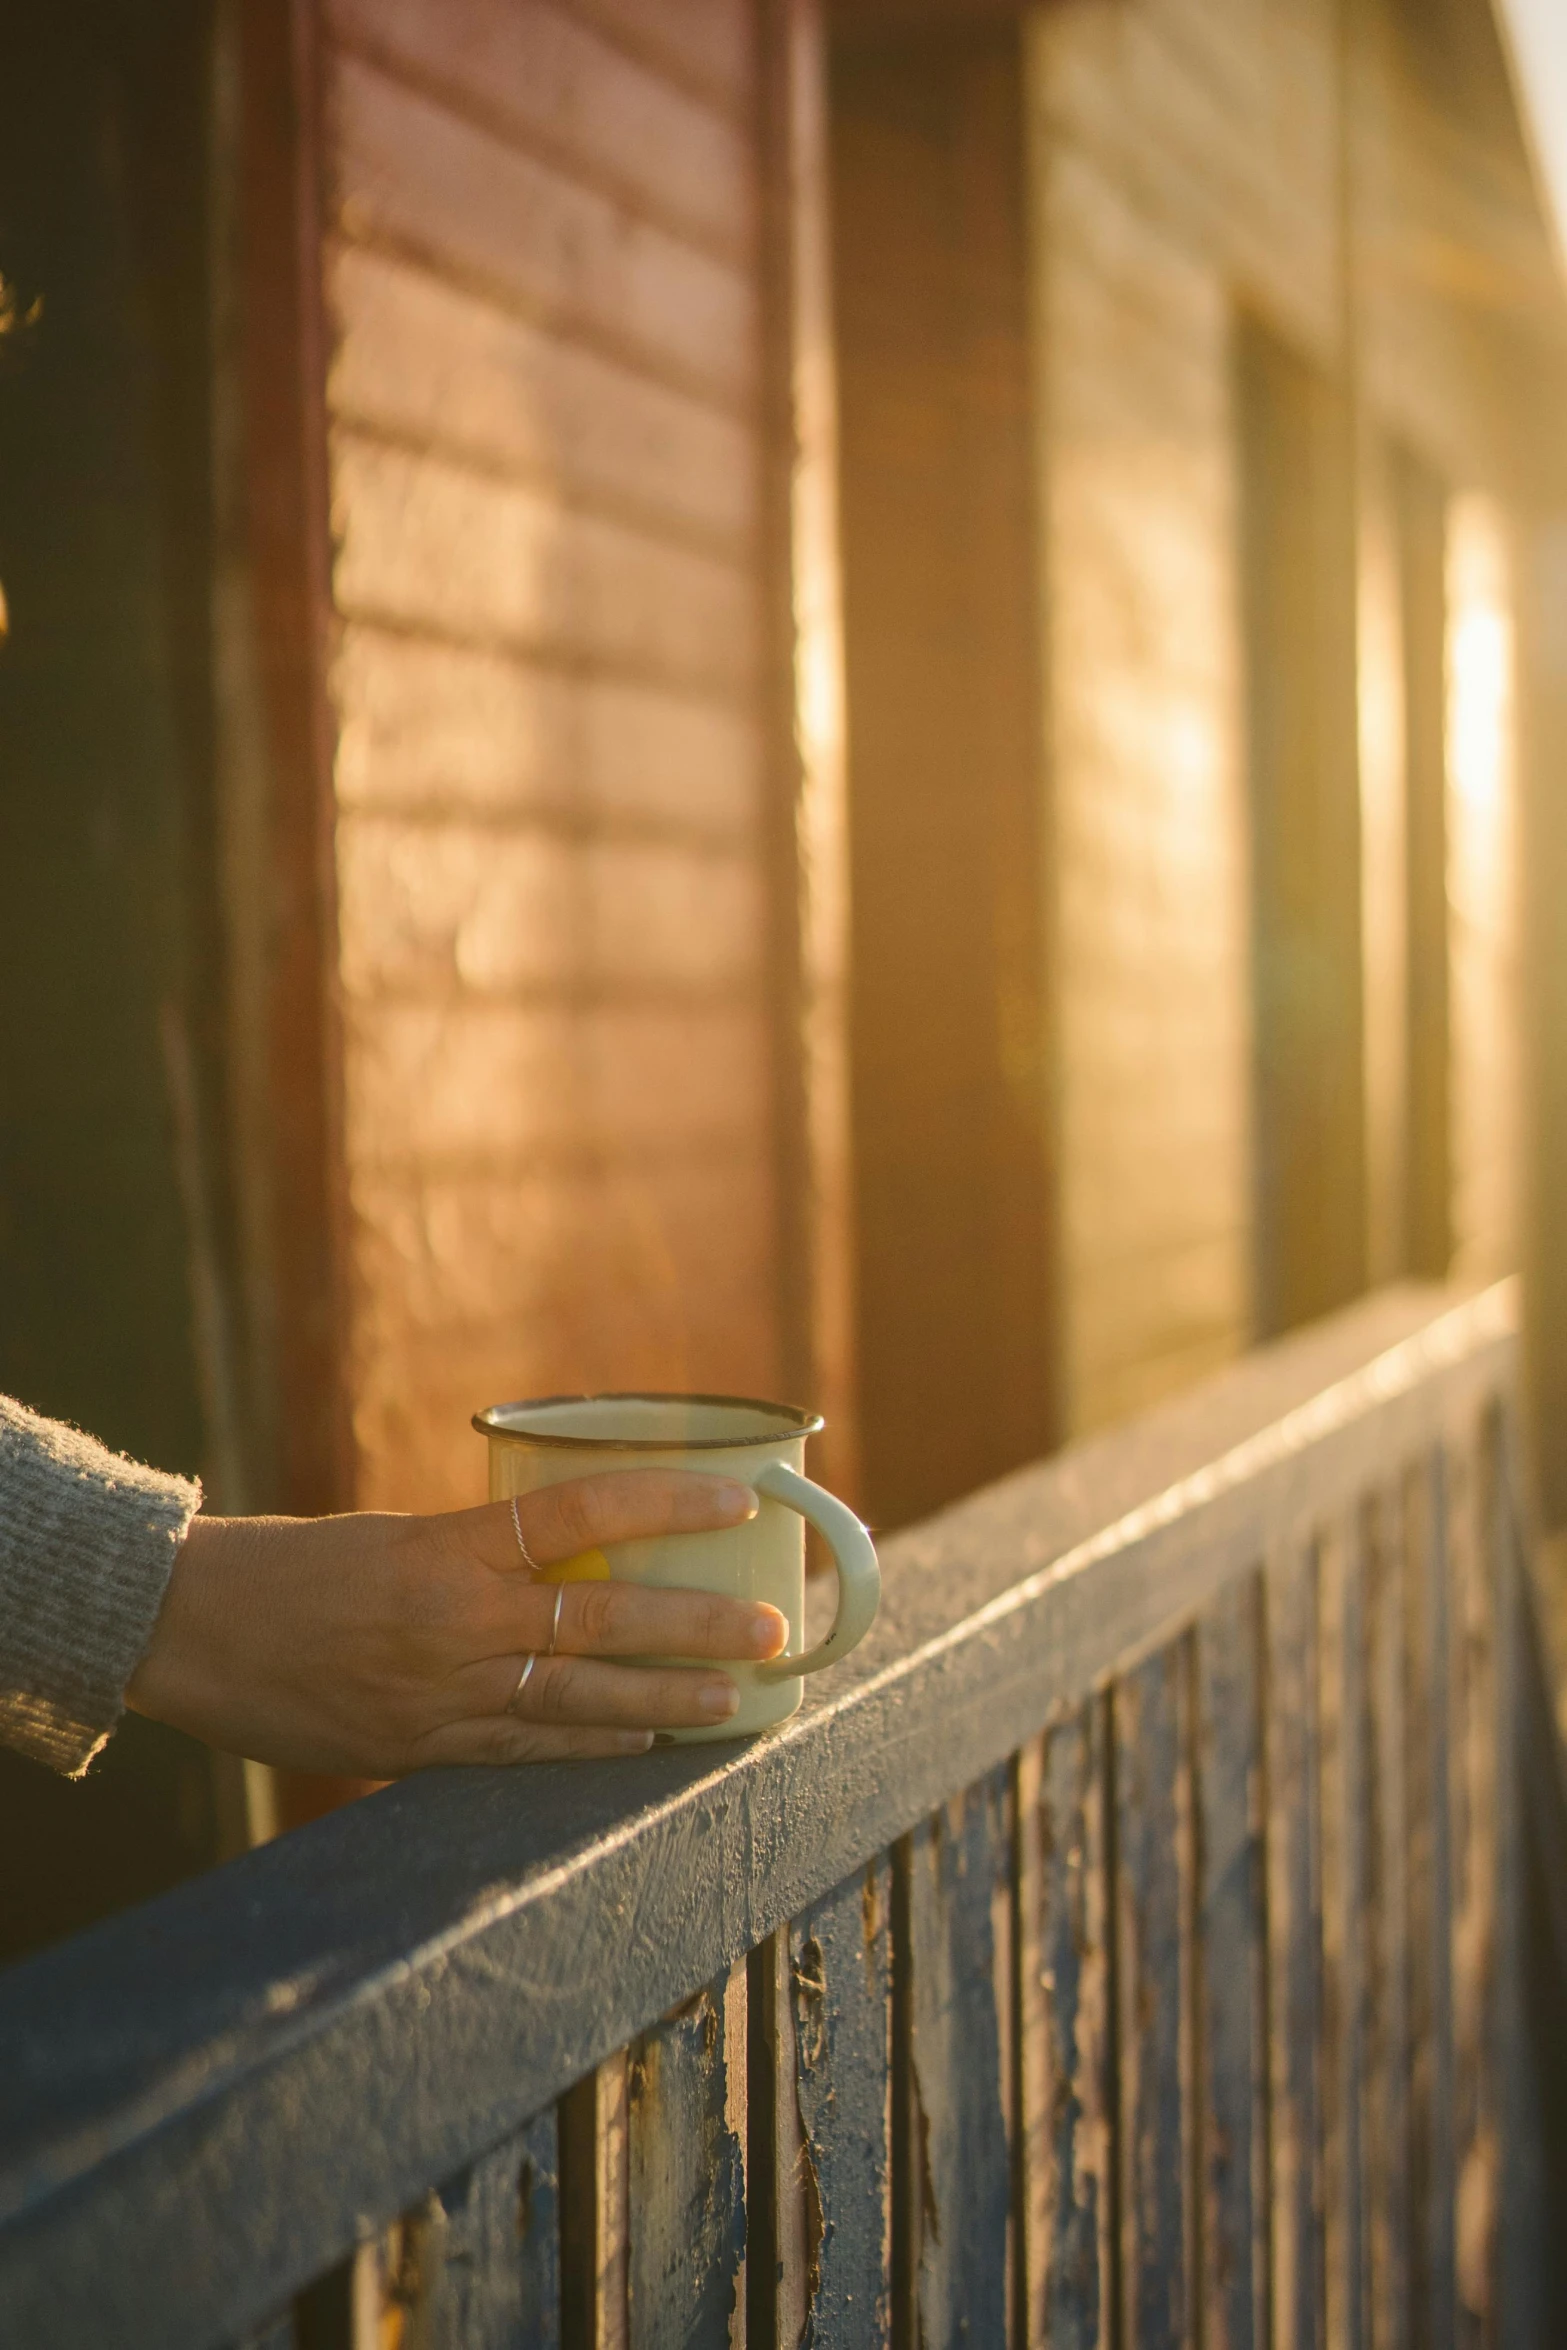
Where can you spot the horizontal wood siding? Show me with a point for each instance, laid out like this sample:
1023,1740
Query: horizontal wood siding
541,262
1355,180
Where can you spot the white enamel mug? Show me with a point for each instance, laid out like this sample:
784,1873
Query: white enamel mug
761,1445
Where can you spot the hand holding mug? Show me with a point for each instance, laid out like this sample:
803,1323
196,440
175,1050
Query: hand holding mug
371,1645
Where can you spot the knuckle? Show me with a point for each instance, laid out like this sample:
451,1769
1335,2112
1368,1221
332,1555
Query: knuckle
507,1742
596,1613
577,1515
556,1680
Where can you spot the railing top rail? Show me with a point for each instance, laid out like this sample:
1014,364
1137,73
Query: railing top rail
246,2073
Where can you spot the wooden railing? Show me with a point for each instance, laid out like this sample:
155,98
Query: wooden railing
1132,1944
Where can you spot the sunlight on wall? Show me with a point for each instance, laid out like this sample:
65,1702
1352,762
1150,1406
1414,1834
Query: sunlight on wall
1384,852
1482,888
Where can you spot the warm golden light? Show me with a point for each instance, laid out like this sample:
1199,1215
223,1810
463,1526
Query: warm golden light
1482,883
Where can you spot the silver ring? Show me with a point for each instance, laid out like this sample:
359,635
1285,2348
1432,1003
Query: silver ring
522,1681
528,1558
560,1601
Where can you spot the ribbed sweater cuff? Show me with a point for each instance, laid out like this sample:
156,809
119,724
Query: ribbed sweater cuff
87,1541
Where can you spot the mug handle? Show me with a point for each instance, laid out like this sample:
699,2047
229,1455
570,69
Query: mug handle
859,1577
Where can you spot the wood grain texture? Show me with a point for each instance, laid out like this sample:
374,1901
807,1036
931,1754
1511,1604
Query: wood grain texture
1385,1941
957,2147
685,2266
1429,1881
1472,1783
1294,1922
840,1999
1155,1999
412,175
1066,2117
486,2265
1341,1714
293,1198
594,2208
1232,2021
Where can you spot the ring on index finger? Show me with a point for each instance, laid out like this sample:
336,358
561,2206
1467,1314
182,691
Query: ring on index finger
528,1559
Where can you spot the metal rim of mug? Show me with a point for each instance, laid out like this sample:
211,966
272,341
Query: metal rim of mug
802,1422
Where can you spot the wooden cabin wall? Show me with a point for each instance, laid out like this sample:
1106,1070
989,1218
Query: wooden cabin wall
1185,163
1351,183
542,265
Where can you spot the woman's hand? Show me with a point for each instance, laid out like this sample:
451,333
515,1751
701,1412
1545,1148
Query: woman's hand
372,1645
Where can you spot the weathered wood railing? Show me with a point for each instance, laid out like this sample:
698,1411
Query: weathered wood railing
1130,1945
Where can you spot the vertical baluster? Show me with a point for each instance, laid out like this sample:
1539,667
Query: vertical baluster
685,2266
1064,2121
277,2334
822,2092
1233,2039
1294,1925
481,2266
840,2002
1384,1940
954,2148
783,2205
1472,1767
1428,1896
1154,1998
1341,1713
593,2209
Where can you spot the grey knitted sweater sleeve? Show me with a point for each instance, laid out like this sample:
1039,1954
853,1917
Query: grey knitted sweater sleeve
86,1544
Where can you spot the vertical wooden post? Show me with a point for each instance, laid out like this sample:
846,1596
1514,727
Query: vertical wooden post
808,801
952,1098
284,368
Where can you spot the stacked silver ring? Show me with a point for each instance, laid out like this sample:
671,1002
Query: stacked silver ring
532,1657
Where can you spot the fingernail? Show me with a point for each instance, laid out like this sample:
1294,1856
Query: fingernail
718,1699
634,1741
767,1630
737,1501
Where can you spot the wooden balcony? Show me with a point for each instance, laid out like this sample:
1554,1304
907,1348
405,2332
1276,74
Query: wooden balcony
1143,1940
